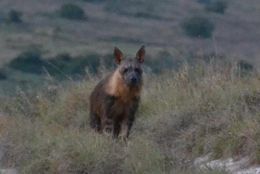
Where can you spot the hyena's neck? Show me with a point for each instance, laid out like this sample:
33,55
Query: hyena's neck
118,88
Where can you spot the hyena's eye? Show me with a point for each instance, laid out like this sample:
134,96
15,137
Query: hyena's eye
125,70
138,70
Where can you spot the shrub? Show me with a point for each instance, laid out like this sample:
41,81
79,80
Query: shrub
66,65
164,61
198,26
72,11
14,16
2,75
61,66
108,61
245,67
135,8
91,61
58,66
217,6
28,61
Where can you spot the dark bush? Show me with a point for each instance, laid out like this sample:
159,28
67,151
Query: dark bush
135,8
64,65
72,11
29,62
61,66
58,66
245,67
217,6
92,62
14,16
3,76
108,61
198,26
164,61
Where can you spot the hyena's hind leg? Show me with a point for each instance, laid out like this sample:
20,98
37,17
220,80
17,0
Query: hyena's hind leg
127,123
107,120
95,122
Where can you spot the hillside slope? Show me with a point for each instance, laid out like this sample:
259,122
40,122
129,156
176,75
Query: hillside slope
192,113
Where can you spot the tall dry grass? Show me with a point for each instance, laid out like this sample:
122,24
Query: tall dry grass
183,115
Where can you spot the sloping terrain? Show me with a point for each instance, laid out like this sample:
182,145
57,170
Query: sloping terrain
185,115
199,98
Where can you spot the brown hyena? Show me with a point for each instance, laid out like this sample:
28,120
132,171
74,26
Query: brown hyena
115,99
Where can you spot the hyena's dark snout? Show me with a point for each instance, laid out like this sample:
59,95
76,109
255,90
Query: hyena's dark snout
133,79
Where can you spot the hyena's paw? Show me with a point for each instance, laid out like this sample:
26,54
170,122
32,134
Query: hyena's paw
108,127
108,130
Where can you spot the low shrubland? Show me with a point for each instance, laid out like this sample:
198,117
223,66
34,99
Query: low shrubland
72,12
65,66
14,16
138,9
196,111
60,66
2,75
198,27
217,6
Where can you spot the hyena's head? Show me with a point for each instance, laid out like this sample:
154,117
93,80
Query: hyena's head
130,69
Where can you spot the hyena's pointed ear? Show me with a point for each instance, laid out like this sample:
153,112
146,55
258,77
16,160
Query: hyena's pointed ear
118,55
140,54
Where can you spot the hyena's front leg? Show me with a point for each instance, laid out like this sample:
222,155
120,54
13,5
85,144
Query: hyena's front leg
116,128
126,126
107,125
107,122
129,119
95,122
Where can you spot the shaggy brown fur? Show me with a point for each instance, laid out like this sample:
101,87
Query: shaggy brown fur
115,99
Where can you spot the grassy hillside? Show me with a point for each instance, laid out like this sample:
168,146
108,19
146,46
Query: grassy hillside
201,93
197,111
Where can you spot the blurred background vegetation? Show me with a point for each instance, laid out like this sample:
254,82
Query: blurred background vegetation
64,39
